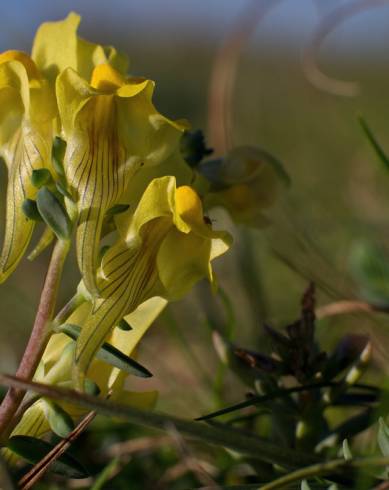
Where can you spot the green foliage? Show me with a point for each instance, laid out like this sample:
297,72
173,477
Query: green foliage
33,450
370,266
109,354
53,213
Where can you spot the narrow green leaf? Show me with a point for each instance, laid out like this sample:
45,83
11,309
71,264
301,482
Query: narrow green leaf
346,450
257,400
109,354
44,241
62,190
383,437
60,421
304,485
58,153
33,450
106,474
374,143
53,213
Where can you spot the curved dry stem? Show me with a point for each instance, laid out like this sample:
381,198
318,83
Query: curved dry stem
346,307
224,69
39,337
310,55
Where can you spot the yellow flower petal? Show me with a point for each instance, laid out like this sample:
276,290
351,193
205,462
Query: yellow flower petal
57,47
25,145
24,59
160,254
190,264
108,138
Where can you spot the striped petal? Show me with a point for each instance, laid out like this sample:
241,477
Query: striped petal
25,144
57,368
110,133
166,228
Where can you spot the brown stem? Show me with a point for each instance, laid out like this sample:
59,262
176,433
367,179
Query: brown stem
37,471
347,307
224,69
326,26
39,337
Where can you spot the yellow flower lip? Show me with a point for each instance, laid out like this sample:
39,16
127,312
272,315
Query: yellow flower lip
24,59
106,78
188,205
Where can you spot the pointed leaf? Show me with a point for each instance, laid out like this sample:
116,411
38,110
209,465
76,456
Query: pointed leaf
346,450
374,143
33,450
383,437
60,421
304,485
54,214
44,241
109,354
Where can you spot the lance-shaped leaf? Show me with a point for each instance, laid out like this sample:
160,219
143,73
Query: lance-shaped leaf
25,144
110,354
33,450
54,214
164,250
59,420
56,369
112,129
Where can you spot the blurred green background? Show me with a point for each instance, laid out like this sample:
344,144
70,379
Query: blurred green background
339,190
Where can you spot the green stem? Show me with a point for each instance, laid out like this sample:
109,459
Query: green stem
39,337
323,469
70,307
247,444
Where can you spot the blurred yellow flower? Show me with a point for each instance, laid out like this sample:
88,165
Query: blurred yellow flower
245,182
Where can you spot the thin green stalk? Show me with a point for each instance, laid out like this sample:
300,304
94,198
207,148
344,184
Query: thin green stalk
70,307
327,467
247,444
39,337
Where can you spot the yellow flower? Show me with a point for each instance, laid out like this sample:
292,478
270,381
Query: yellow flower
28,117
245,183
112,129
165,247
56,369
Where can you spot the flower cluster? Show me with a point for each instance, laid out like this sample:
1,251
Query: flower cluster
87,151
